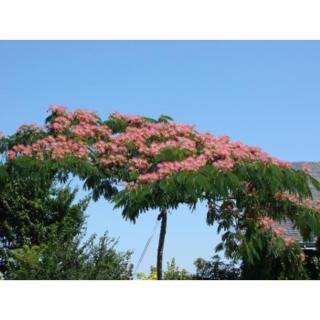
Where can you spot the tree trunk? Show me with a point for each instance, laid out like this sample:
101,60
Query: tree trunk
163,229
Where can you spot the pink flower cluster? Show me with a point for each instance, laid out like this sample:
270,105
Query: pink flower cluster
81,123
224,165
138,164
165,169
87,125
268,223
85,116
25,128
82,134
306,167
18,149
204,149
279,231
289,242
87,130
149,177
53,147
287,196
310,203
101,146
58,110
116,160
265,222
133,120
181,143
60,123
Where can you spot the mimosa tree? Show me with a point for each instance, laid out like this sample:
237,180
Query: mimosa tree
141,164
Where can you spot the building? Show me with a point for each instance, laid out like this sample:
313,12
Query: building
292,232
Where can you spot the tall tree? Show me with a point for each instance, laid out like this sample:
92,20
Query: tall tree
164,164
42,234
32,211
42,227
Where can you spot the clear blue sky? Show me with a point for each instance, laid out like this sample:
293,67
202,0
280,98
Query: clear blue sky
263,93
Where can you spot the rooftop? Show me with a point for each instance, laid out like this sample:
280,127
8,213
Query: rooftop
292,232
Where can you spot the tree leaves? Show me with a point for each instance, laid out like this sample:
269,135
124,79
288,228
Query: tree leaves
240,188
164,118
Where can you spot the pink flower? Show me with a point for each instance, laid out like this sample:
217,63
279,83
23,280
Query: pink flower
287,196
85,116
57,109
27,151
137,120
149,177
281,164
289,242
101,146
28,128
138,164
136,148
224,165
11,154
306,167
279,231
265,222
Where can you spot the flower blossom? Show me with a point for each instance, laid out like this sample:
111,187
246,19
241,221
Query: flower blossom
289,242
306,167
59,123
308,202
59,110
279,231
28,128
138,164
136,120
82,134
265,222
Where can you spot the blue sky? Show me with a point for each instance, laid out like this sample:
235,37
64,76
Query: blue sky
263,93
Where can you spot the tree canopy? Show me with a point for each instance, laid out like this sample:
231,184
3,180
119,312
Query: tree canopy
42,233
141,163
